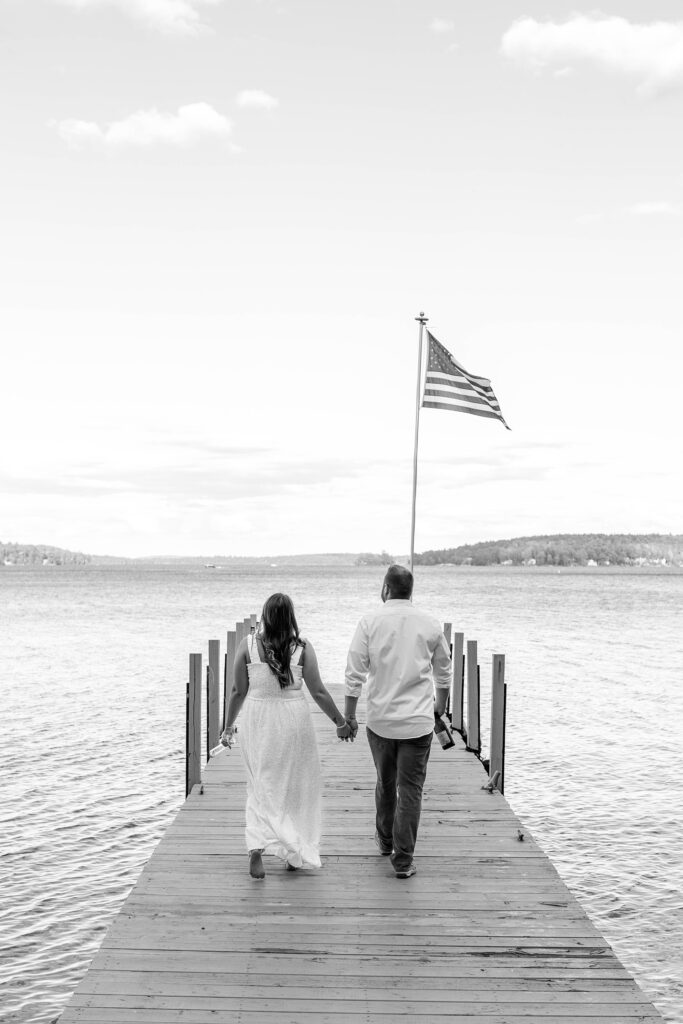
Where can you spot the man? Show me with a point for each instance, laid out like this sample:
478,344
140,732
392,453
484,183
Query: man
403,654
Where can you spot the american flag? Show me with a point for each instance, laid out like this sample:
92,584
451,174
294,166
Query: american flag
448,385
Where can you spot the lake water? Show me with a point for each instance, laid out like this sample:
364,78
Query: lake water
93,673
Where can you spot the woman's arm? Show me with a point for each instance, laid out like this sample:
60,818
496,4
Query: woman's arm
320,695
240,689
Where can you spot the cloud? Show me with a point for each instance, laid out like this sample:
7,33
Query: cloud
193,123
256,476
256,99
656,209
442,26
651,53
176,17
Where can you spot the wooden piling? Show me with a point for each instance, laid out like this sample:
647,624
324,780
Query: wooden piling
447,629
473,729
213,699
457,688
228,676
193,725
497,740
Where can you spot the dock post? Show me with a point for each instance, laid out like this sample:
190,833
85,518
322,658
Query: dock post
213,698
457,689
247,625
447,630
498,703
193,725
473,732
228,675
253,621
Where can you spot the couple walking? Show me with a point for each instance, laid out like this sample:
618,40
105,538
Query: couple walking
402,655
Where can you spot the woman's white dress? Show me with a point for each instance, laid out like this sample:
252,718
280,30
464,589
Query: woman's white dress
280,753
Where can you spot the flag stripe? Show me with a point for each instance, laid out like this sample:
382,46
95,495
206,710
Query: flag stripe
482,384
434,392
442,381
460,389
462,408
448,385
461,381
460,371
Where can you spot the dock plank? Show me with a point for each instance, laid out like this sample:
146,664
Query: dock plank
485,933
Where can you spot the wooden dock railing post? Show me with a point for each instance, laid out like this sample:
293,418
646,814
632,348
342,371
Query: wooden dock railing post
473,730
213,696
457,688
498,705
230,648
193,725
447,630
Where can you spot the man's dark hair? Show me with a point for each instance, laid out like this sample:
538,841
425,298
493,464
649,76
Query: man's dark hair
399,581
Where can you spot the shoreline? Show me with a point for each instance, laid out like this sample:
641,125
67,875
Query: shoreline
276,568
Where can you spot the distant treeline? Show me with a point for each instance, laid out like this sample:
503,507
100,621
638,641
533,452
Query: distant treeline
565,549
557,549
40,554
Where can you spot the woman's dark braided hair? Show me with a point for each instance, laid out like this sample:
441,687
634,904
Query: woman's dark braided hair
279,634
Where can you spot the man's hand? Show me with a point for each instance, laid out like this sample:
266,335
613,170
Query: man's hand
353,725
440,702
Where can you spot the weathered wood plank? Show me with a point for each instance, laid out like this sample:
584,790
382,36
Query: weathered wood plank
304,985
319,1014
253,998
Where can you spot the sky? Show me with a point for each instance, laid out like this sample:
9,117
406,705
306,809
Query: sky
220,220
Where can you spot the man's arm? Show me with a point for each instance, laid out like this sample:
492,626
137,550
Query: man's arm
441,666
357,667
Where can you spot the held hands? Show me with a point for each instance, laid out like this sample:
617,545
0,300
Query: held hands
344,732
348,730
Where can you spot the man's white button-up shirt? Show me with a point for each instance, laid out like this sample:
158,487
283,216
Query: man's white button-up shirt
402,653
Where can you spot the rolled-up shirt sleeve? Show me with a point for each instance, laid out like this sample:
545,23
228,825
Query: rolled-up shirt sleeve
441,663
358,660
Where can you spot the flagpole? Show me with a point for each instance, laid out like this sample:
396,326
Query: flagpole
422,320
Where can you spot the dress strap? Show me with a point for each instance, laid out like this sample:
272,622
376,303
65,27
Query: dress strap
253,649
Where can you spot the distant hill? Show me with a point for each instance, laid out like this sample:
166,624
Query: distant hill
47,555
565,549
552,549
40,554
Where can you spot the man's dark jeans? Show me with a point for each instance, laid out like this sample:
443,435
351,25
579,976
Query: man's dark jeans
401,769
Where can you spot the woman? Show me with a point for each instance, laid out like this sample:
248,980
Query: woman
277,738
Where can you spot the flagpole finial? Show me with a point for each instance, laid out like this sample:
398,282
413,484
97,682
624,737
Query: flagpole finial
422,318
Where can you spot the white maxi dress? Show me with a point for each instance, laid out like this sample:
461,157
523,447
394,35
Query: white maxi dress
280,754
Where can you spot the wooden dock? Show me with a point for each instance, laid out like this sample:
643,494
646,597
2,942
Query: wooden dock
486,932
